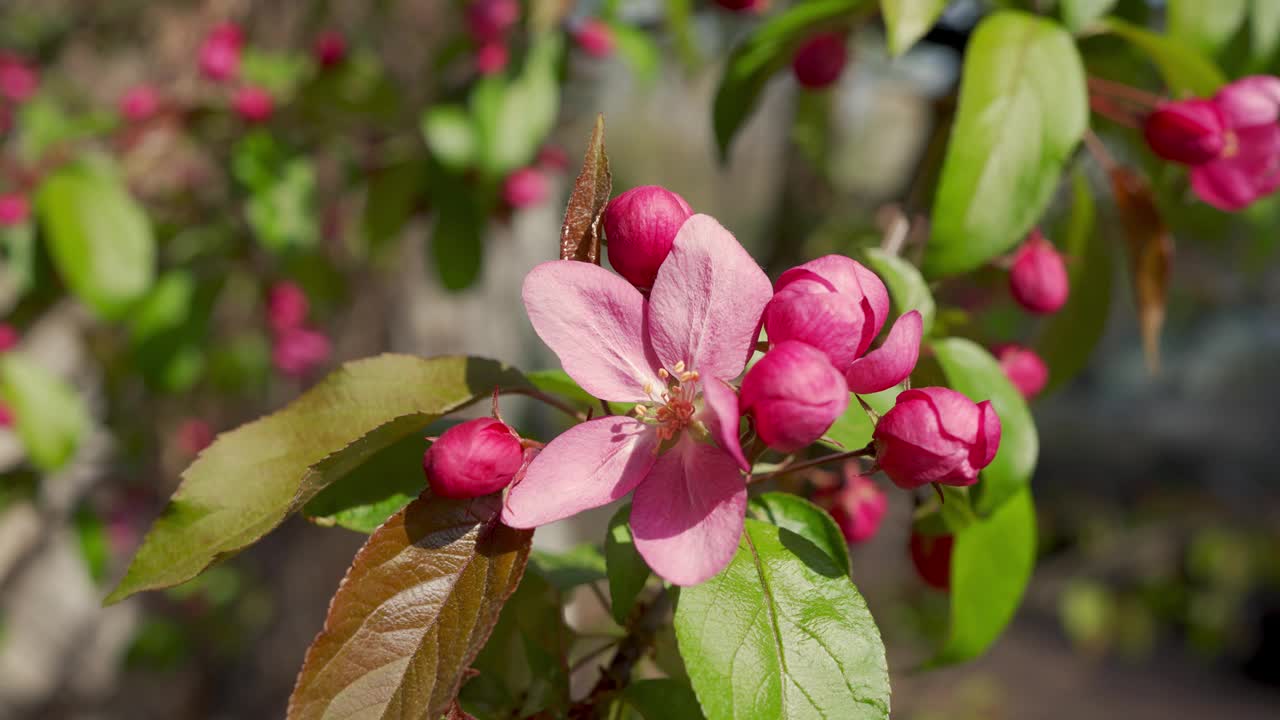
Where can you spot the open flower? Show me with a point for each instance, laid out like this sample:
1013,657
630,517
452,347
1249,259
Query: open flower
1248,167
670,355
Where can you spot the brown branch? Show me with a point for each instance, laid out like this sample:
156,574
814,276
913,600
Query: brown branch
868,451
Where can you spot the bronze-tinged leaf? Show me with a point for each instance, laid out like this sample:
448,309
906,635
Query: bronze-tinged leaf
1150,247
414,610
580,235
455,712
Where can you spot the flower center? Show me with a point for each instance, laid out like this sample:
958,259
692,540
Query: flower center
673,409
1231,145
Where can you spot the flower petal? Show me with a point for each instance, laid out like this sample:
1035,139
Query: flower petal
849,278
688,514
721,417
590,465
594,322
707,301
893,361
988,439
1233,183
1250,101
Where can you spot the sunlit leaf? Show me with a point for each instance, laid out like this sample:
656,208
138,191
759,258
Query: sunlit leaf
1078,15
567,570
1150,246
1184,69
450,136
1264,29
580,233
804,519
1206,25
364,498
906,21
907,287
414,610
50,417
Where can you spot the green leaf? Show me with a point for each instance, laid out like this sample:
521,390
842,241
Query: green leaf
91,536
559,383
1206,25
782,633
972,370
169,328
414,610
803,518
1023,108
565,571
49,416
450,136
906,21
514,119
907,286
457,236
1078,15
390,201
627,571
766,50
252,478
991,564
1264,30
364,498
18,258
1184,69
638,49
99,237
1069,337
852,430
282,212
662,699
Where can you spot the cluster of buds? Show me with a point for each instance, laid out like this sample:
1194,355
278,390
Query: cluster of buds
489,22
1040,284
1231,142
296,349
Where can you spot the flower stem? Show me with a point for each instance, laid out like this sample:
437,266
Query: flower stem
868,451
1120,91
551,400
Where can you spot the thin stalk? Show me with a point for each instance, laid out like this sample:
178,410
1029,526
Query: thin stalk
868,451
551,400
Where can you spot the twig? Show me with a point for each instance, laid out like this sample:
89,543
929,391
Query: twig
551,400
1100,152
582,661
1124,92
868,451
639,639
604,601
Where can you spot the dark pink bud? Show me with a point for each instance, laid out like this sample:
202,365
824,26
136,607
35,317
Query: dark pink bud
595,37
330,48
253,104
794,394
1188,131
220,52
491,58
1252,101
298,351
478,457
7,418
742,5
820,60
9,337
18,78
552,158
931,554
936,435
489,20
14,209
287,307
1038,276
857,506
193,436
640,226
140,103
1025,369
525,188
833,303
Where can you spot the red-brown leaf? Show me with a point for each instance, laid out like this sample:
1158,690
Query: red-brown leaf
1150,246
580,236
415,608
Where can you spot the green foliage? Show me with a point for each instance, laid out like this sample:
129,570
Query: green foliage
803,518
582,565
765,51
906,21
1078,15
457,236
782,633
18,257
972,370
907,287
1206,25
50,416
450,136
661,699
364,498
627,571
392,196
99,238
853,429
1023,108
559,383
252,478
1184,69
169,328
639,50
1264,30
513,117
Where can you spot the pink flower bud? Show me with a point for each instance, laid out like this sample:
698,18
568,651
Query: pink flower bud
253,104
595,38
820,60
931,554
299,350
794,394
1188,131
1038,277
193,436
8,337
6,417
140,103
19,80
640,226
489,20
14,209
478,457
330,48
220,52
742,5
1025,369
936,435
552,158
1252,101
525,188
491,58
287,307
857,506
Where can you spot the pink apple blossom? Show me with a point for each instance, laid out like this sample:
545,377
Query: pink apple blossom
476,458
9,337
330,48
220,52
7,418
14,209
300,350
193,436
552,158
595,38
936,435
820,60
140,103
491,58
793,394
1025,369
1186,131
857,505
839,306
19,80
640,225
525,188
1248,166
489,20
254,104
1038,277
671,355
287,306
